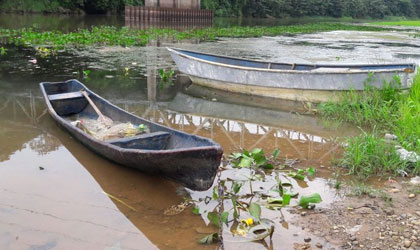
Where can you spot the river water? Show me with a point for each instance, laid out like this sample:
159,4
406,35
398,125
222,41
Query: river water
56,194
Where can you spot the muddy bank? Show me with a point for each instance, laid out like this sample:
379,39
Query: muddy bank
386,218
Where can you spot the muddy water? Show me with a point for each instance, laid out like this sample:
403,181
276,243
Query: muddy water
56,193
58,185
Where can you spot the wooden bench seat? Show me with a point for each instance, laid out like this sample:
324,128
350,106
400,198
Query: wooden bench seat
64,96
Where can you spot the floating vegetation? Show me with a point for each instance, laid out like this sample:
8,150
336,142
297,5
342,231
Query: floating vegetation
244,195
408,23
112,36
86,73
166,78
3,51
386,110
45,52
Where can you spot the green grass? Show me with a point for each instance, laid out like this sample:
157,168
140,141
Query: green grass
398,23
111,36
369,154
367,108
385,110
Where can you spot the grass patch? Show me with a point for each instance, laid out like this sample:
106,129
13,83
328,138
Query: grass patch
367,108
399,23
369,154
111,36
386,110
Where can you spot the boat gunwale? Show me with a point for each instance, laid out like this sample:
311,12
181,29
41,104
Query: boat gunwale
178,52
67,124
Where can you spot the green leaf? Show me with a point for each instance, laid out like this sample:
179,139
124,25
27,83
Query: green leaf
306,200
255,211
268,166
299,176
196,210
257,151
245,153
245,162
274,200
259,159
225,216
235,209
276,153
236,186
237,155
209,239
311,171
286,199
213,218
296,176
215,193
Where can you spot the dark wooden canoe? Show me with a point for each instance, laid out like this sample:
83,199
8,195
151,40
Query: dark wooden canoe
187,159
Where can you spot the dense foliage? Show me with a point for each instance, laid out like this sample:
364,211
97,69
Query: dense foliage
249,8
88,6
130,37
296,8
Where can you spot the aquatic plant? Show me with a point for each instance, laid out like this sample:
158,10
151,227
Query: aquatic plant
410,23
166,78
112,36
86,73
3,51
45,52
244,203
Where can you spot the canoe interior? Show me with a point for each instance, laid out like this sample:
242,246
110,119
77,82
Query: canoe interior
149,141
288,66
69,104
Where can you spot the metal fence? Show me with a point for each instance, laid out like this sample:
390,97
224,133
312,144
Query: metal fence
167,14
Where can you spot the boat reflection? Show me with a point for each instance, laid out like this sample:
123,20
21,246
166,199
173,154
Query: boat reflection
141,198
234,126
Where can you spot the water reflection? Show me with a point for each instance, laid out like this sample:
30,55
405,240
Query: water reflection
69,23
39,141
233,126
24,117
129,78
178,25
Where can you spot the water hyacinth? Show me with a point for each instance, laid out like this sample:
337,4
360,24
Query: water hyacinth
112,36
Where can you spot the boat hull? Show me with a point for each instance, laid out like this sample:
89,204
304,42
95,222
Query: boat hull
190,160
300,95
317,85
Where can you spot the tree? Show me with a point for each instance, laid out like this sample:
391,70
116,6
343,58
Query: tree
376,8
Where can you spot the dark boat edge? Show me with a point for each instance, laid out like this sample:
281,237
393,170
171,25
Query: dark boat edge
188,180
